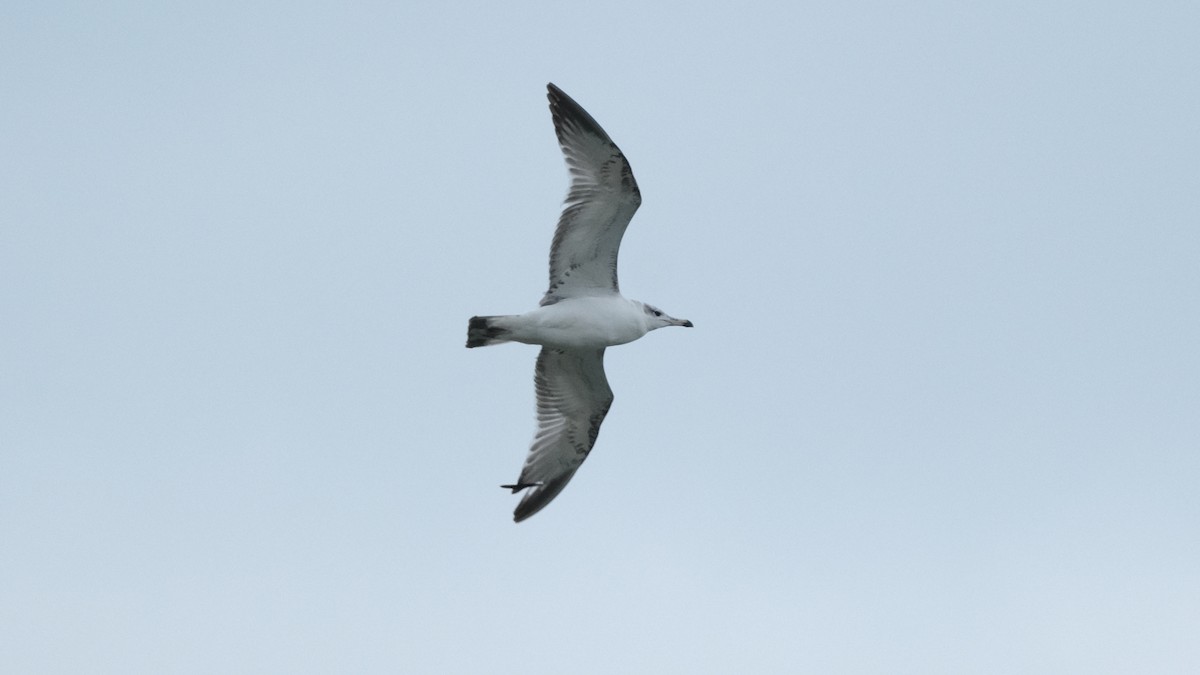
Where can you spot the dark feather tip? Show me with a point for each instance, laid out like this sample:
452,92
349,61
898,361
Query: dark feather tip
520,486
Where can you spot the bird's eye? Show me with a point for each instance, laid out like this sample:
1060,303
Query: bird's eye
657,313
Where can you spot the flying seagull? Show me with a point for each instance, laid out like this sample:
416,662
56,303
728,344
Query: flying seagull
582,312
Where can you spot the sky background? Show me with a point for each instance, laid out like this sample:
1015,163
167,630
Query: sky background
940,412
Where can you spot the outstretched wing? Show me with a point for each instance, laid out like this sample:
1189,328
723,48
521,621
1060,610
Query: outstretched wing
602,199
572,399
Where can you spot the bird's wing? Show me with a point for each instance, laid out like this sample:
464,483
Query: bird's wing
572,398
602,199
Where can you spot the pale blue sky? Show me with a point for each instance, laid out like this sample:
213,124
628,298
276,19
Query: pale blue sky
940,412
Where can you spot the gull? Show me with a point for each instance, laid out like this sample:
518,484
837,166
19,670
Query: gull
582,312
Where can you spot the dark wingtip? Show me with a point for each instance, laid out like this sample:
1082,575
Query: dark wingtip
565,111
537,500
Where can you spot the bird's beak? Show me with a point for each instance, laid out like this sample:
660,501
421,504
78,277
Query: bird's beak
682,322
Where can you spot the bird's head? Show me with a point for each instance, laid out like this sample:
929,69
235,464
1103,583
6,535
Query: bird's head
656,318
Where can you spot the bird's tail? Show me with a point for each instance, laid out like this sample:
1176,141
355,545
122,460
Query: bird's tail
483,331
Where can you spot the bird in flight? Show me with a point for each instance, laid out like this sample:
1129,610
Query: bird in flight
582,312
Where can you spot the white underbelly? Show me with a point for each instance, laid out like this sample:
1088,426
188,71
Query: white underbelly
579,323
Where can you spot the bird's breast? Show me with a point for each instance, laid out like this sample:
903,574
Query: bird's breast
592,323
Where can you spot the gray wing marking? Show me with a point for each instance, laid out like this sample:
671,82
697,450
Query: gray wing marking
600,203
573,397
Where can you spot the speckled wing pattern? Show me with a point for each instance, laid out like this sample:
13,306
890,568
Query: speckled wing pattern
573,397
602,199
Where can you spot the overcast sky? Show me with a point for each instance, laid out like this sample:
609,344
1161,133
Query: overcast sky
940,412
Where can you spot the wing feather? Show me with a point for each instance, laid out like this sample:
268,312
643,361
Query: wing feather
573,397
600,203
